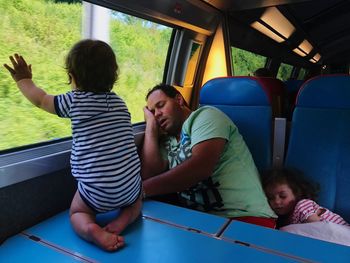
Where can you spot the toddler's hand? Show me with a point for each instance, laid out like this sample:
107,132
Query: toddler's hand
20,68
313,218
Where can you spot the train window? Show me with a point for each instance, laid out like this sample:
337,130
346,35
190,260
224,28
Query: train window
245,62
284,71
43,32
44,38
302,73
192,63
141,48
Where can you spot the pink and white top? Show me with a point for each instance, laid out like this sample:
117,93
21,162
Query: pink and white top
306,207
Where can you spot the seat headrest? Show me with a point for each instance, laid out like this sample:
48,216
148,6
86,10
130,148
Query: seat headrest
233,91
327,91
271,85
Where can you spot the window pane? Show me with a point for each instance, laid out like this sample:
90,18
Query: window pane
43,32
284,71
302,73
141,48
245,62
192,63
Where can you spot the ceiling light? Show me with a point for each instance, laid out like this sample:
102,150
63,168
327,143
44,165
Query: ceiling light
317,57
305,46
274,18
274,24
266,31
312,60
299,52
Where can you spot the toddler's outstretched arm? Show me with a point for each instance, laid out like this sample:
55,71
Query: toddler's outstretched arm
22,74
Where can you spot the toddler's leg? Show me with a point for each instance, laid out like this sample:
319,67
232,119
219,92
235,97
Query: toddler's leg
127,216
83,220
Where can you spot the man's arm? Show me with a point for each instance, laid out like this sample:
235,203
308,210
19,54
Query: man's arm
152,162
200,166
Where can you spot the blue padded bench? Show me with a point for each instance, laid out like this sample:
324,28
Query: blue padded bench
296,246
147,240
319,143
189,219
243,100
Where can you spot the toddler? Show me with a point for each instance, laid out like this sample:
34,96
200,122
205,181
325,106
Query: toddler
104,157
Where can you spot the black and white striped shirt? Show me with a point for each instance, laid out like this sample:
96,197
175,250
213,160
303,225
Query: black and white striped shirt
104,157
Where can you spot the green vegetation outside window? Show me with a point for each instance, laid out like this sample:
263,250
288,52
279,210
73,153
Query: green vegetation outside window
302,74
43,32
284,71
245,62
141,48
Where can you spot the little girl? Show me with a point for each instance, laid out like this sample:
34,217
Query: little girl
104,157
291,198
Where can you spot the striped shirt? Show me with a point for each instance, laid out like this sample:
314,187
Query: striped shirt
104,157
306,207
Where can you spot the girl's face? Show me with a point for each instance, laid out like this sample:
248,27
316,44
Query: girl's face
281,199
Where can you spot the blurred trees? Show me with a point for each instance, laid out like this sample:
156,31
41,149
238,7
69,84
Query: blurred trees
43,31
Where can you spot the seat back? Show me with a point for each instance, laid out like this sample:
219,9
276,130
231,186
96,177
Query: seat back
293,85
319,143
245,102
276,92
292,88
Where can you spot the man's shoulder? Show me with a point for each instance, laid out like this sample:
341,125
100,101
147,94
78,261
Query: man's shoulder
207,109
208,112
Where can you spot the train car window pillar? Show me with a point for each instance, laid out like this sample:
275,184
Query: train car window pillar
95,22
217,62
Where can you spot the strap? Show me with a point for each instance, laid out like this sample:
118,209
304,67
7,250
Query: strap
279,138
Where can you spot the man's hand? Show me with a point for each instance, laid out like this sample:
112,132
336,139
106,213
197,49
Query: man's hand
20,68
152,124
148,115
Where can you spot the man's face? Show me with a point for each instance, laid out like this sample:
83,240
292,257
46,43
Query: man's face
167,111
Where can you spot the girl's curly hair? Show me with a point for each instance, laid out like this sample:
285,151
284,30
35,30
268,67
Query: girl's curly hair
302,188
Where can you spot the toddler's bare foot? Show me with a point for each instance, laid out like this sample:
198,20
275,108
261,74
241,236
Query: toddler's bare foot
119,224
127,216
104,239
115,227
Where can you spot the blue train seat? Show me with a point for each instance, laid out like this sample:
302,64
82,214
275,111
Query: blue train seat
319,143
292,88
293,85
245,102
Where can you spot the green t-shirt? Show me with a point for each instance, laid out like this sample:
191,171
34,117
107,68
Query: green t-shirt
234,189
